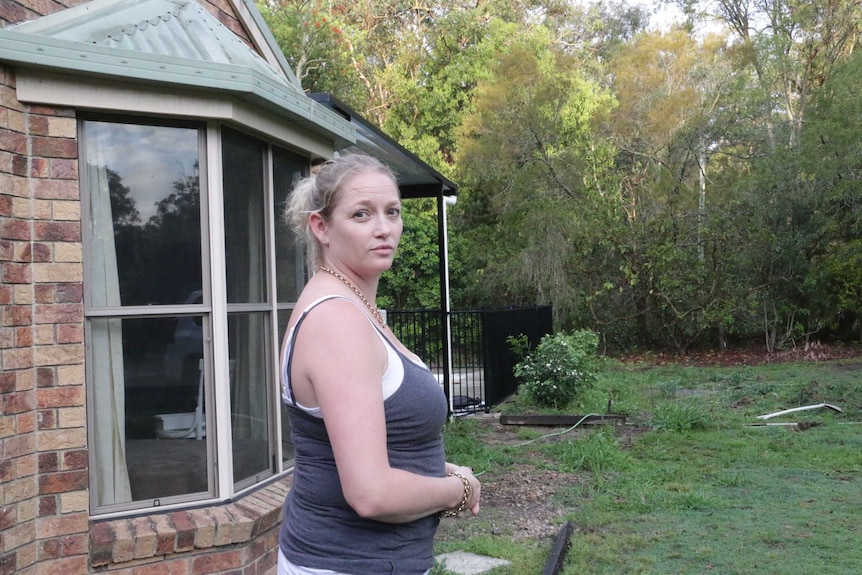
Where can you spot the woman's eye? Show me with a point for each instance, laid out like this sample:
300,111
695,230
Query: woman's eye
394,212
361,214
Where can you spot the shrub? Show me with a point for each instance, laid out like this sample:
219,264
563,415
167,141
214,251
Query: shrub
560,367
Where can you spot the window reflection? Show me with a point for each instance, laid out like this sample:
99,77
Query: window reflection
287,168
153,181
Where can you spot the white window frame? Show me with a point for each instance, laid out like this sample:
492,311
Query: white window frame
130,101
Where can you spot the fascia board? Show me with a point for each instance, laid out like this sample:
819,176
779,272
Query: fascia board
244,82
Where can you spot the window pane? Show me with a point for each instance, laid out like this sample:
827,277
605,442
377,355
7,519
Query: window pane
287,450
148,427
144,205
245,254
289,261
251,392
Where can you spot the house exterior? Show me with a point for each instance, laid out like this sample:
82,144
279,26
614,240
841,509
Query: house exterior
146,148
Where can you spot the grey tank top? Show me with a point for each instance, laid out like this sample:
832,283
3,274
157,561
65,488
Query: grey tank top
319,529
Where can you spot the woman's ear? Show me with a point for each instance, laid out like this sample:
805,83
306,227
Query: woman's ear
318,227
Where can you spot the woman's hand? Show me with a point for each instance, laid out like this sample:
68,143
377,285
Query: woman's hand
475,485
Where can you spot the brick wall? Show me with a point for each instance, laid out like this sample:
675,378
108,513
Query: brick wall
44,499
43,440
223,10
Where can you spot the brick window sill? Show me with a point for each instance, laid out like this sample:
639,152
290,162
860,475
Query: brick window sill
116,541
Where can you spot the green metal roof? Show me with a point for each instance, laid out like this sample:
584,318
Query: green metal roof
416,179
168,42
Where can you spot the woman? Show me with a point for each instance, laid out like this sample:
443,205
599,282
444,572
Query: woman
370,481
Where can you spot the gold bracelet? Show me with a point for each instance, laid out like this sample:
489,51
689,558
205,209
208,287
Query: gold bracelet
464,500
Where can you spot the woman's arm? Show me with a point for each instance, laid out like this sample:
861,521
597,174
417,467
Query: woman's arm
339,353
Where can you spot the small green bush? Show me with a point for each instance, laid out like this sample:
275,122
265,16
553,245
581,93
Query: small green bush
560,367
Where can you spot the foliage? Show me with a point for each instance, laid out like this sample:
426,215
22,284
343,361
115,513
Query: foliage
559,368
667,189
661,489
680,416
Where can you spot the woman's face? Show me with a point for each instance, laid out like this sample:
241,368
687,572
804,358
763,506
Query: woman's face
365,227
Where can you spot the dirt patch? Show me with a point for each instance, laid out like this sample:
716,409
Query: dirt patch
751,355
522,501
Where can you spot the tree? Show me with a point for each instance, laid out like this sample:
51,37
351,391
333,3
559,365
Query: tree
312,35
532,170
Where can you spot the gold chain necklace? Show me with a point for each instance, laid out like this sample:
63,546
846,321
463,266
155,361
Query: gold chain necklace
375,313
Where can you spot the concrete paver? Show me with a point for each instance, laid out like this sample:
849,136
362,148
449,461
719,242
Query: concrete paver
465,563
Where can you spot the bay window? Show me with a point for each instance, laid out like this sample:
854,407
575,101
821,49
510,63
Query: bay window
190,276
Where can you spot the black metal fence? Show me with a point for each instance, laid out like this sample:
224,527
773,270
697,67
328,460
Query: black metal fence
481,361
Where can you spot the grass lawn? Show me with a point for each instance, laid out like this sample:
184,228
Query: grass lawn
689,486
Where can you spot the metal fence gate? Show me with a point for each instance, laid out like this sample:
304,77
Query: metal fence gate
481,361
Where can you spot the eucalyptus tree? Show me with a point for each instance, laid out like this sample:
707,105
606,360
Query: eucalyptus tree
791,46
314,36
674,93
533,174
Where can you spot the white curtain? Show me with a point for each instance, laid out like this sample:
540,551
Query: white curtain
106,337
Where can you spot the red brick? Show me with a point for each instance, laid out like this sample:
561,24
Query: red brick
63,481
16,273
47,419
38,125
15,230
5,473
7,381
18,315
26,422
101,544
54,147
77,544
24,336
45,376
13,12
50,110
55,189
166,543
70,293
70,333
63,169
49,462
5,206
217,562
47,505
49,549
40,252
17,402
8,563
19,165
69,565
8,517
57,231
176,567
75,459
185,530
39,168
70,396
13,142
45,293
59,313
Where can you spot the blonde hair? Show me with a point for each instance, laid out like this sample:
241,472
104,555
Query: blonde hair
320,192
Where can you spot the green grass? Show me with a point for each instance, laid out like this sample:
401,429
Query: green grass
700,490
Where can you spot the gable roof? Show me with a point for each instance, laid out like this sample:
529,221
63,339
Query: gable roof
169,42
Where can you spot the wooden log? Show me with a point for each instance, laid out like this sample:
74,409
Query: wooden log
558,554
561,420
